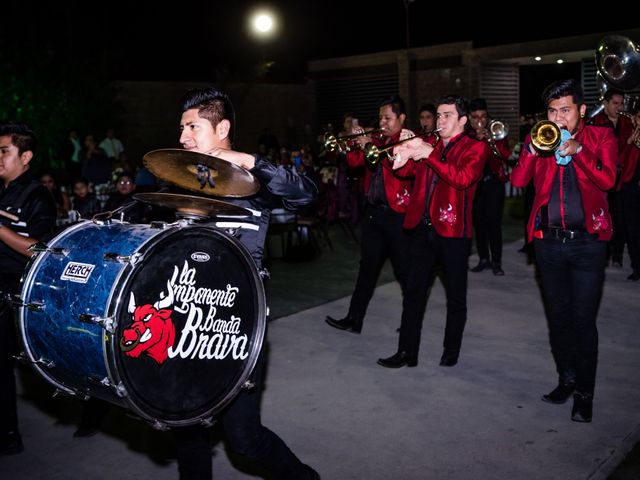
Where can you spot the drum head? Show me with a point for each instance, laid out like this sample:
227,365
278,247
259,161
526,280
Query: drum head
190,324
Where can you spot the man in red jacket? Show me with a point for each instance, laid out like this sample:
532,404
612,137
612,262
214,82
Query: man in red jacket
489,200
439,221
387,198
622,126
629,189
570,223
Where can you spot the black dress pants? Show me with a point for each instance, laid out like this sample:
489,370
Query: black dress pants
382,237
487,209
572,274
630,199
245,435
427,250
8,348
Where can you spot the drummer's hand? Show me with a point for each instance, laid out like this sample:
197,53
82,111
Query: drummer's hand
240,159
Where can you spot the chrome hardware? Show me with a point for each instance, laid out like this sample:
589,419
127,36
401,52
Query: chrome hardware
116,257
46,363
107,323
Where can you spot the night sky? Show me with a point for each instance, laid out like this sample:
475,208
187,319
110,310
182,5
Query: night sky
203,40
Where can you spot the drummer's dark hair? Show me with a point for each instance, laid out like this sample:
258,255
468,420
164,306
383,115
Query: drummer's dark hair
212,104
21,135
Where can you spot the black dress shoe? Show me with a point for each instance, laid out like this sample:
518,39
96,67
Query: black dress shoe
497,269
582,410
449,357
484,263
635,276
347,323
11,443
560,394
397,360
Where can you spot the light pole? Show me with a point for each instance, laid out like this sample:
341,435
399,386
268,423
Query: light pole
263,26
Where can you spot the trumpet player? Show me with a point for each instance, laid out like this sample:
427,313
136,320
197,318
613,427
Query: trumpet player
438,220
570,225
612,116
489,200
387,198
629,189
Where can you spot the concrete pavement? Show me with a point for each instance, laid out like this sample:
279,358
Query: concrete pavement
352,419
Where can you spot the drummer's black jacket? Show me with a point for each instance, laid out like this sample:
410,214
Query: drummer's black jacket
279,187
37,219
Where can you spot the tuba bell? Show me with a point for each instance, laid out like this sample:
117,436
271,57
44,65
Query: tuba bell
618,62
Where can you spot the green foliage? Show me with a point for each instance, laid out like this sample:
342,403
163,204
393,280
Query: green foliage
52,97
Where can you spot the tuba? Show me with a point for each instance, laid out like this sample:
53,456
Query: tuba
618,61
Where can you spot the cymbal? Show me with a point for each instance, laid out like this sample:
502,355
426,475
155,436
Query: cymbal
190,205
201,173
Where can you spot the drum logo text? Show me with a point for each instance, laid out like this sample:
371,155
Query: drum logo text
206,333
77,272
200,257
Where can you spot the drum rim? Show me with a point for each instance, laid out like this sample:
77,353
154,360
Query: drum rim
117,302
26,285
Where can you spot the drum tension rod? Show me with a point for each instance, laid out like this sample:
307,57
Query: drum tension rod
17,302
113,256
42,247
107,323
45,362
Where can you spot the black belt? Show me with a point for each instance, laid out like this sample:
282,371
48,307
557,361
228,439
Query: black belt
565,234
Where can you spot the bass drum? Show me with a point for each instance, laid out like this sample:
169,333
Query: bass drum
167,321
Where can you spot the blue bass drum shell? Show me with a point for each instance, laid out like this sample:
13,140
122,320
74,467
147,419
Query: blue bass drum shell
175,352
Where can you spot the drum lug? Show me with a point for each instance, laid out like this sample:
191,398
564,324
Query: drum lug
264,273
207,422
120,390
248,385
102,381
158,425
17,302
159,225
41,247
45,362
106,323
116,257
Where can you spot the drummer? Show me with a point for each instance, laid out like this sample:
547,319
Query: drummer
207,126
27,213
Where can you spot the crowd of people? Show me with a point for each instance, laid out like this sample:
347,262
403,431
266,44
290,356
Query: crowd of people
420,198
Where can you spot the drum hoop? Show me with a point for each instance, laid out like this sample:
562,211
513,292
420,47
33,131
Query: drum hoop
115,309
26,283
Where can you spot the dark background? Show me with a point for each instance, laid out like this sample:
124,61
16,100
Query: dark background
209,40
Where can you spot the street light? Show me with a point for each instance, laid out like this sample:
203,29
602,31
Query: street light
263,24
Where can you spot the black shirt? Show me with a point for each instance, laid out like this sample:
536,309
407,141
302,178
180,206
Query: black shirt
565,203
37,220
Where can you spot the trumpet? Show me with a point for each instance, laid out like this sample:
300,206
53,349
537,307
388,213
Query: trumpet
545,136
372,152
497,130
342,143
636,130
